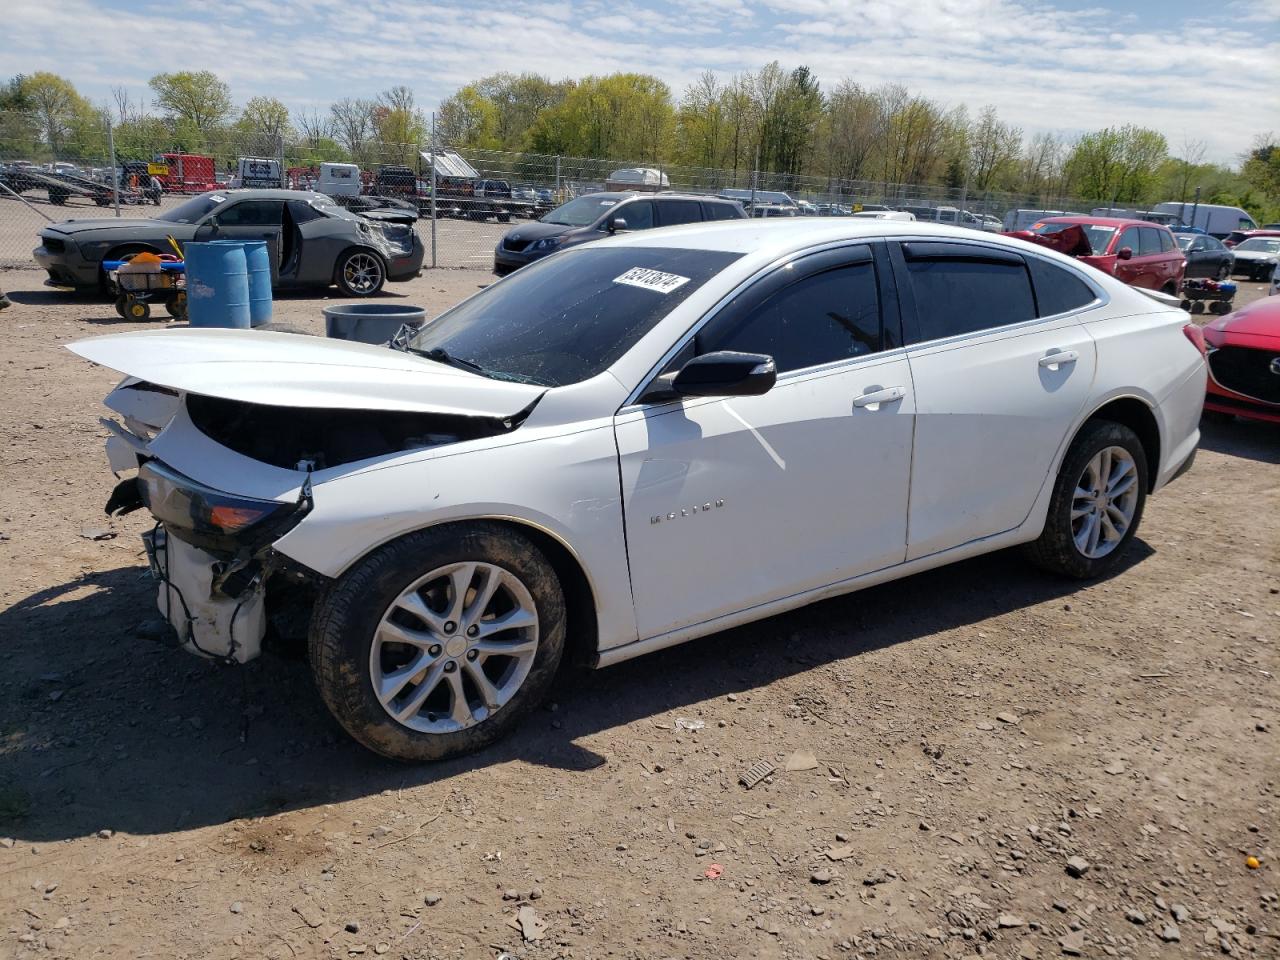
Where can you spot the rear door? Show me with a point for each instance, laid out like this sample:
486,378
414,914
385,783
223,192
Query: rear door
1160,265
1001,368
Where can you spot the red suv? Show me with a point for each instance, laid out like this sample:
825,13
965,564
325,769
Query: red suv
1141,254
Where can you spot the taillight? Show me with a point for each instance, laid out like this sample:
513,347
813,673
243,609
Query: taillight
1196,336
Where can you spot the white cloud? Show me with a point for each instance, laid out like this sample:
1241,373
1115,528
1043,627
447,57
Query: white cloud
1214,77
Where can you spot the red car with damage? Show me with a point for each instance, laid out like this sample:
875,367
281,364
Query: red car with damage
1139,253
1243,350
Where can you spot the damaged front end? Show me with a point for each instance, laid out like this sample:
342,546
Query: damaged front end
229,432
211,553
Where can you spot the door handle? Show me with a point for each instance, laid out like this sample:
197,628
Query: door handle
1059,358
877,397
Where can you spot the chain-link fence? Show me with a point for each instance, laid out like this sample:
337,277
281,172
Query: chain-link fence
467,198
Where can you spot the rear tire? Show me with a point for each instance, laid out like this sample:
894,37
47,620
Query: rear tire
1103,480
400,609
1224,273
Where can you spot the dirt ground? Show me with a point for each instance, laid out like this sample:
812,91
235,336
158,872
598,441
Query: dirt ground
944,747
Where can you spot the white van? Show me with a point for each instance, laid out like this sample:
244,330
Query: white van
339,180
1023,219
258,172
1214,219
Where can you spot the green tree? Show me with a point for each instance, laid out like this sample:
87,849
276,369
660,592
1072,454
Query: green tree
60,113
994,148
700,122
789,122
263,127
469,119
1118,164
624,116
853,128
398,125
197,97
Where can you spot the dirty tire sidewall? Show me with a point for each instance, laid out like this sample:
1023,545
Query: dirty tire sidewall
1056,549
348,612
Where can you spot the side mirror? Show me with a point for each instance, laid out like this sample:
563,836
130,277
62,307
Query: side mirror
617,223
1124,253
726,373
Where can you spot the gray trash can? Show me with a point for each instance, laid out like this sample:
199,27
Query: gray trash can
370,322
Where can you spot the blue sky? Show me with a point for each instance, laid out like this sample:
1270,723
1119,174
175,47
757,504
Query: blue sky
1194,70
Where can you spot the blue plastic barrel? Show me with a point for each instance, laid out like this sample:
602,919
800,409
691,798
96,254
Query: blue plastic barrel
258,258
217,285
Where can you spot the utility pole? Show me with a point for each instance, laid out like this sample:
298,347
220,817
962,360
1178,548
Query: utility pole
1194,207
434,150
755,176
115,172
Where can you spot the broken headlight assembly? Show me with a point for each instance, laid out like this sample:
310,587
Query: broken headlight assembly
210,519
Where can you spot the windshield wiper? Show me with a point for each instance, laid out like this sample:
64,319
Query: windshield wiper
441,355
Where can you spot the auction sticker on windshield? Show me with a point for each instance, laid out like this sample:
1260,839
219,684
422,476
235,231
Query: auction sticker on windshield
652,279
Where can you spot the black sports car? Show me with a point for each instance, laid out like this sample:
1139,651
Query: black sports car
313,241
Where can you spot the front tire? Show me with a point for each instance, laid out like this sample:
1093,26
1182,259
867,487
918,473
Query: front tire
437,644
360,273
1097,503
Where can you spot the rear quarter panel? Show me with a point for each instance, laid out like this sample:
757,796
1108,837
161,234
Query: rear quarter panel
1147,356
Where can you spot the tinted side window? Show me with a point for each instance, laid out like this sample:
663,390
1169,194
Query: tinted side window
252,213
673,212
960,296
1128,239
818,319
1149,241
639,215
722,211
303,212
1166,241
1058,290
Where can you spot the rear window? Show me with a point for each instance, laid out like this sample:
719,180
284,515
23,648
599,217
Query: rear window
1098,235
567,318
1149,241
723,211
675,212
958,296
1058,290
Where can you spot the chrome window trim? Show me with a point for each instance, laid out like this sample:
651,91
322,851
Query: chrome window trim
1101,297
728,298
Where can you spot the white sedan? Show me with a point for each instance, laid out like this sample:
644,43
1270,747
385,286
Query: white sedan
638,442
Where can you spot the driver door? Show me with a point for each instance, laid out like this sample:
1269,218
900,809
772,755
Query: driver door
730,503
253,220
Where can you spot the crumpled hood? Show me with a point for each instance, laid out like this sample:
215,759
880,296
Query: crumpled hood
289,370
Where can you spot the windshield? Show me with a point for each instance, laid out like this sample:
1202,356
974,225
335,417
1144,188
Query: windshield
192,210
1185,240
1099,237
569,317
1259,245
580,212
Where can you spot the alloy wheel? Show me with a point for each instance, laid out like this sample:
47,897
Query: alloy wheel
362,273
1104,502
454,647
